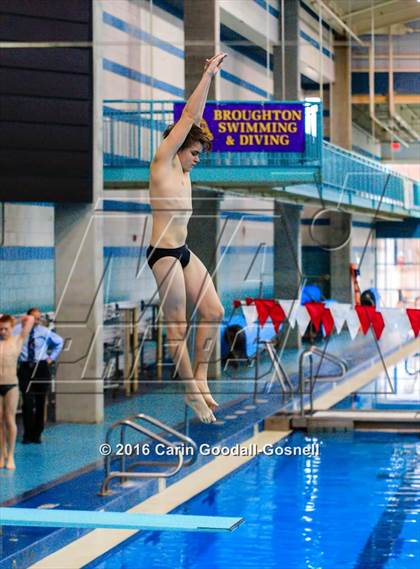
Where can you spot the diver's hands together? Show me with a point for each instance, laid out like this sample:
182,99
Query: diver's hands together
213,64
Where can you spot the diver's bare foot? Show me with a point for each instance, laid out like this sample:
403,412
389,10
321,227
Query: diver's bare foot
10,464
205,392
199,406
2,461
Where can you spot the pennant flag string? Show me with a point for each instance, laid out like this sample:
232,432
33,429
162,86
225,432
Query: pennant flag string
335,314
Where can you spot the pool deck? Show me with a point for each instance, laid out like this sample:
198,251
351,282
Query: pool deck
71,478
96,543
68,448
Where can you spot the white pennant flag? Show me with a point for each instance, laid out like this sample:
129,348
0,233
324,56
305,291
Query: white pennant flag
290,308
302,319
250,313
339,313
353,322
396,319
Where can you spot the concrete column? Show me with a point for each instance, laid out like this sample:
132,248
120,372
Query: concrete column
287,258
203,240
286,55
287,237
202,33
340,256
78,283
79,307
340,104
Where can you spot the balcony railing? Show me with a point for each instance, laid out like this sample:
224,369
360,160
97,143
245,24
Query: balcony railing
357,176
133,130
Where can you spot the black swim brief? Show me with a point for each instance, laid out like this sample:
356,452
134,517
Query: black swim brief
181,253
5,388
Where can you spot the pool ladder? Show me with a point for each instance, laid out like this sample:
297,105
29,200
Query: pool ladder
181,445
311,379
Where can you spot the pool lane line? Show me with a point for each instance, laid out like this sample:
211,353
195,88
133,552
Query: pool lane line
97,542
383,542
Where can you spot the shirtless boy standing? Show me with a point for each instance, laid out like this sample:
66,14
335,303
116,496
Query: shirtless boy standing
179,274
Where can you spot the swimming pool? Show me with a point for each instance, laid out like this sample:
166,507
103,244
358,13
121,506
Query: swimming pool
353,506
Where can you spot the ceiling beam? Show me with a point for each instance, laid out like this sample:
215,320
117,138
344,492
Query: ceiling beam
383,99
350,15
396,14
323,8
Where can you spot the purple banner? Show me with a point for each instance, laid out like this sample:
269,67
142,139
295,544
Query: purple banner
253,127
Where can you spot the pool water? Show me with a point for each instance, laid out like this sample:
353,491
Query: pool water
353,506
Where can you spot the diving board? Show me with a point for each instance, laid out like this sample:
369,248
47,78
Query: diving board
36,517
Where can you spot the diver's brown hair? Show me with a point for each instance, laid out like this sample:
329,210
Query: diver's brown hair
8,319
196,134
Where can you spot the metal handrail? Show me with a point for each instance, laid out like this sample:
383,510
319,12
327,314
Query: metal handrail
125,471
309,353
333,359
304,354
184,438
408,371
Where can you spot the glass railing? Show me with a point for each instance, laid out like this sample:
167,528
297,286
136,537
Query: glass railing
416,194
346,171
133,130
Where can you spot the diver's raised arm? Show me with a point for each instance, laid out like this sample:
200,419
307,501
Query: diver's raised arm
192,113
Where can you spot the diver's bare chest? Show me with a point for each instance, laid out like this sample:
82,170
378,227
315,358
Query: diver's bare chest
175,186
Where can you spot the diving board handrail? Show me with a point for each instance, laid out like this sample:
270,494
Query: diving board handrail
125,472
342,364
407,369
309,354
183,438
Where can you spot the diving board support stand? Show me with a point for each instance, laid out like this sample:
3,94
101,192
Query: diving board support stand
35,517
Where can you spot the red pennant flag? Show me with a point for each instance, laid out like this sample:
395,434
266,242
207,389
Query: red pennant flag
369,316
277,315
315,310
364,313
262,311
236,303
414,317
328,321
319,314
378,324
270,308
